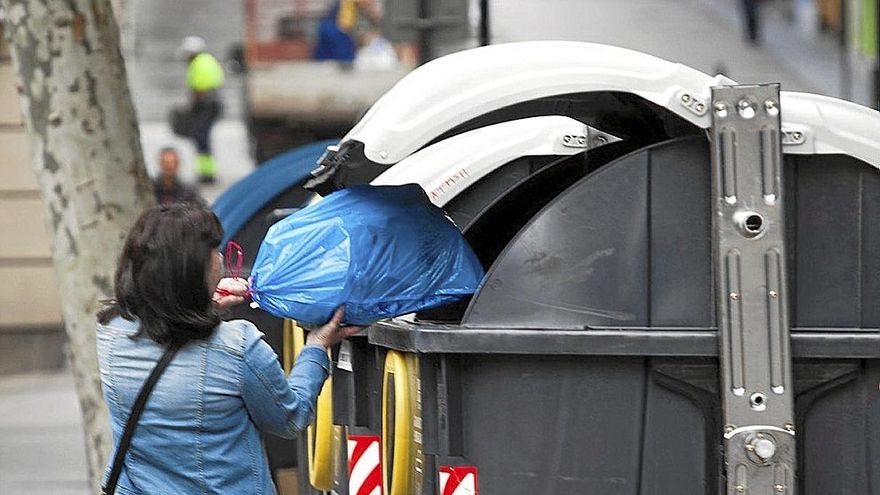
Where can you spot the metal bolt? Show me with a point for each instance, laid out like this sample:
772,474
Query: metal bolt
685,98
729,428
779,488
740,489
788,426
746,108
721,110
797,135
734,296
772,107
566,138
764,448
773,294
582,140
700,107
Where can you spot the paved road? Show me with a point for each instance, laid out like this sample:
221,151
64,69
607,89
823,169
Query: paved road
41,447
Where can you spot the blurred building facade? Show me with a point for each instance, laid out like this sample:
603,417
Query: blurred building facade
31,333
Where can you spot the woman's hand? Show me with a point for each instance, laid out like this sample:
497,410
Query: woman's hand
331,332
230,291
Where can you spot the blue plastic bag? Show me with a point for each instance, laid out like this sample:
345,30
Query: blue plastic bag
382,251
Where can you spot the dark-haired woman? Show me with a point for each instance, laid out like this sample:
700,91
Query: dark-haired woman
199,431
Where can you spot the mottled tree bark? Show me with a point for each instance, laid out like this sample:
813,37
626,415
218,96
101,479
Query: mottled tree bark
87,157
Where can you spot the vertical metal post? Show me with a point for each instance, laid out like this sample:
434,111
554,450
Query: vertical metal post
876,101
751,292
425,53
484,23
843,45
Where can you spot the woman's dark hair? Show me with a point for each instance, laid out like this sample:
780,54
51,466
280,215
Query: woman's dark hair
161,278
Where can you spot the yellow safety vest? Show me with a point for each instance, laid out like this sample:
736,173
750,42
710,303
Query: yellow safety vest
204,73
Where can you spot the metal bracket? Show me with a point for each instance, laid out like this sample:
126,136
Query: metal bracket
751,292
792,137
693,103
592,138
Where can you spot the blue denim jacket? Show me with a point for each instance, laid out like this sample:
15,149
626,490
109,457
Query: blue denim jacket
199,430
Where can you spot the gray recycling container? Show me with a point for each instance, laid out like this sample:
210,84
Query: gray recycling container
588,361
597,355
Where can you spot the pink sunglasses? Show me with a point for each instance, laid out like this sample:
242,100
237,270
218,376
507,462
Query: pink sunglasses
233,250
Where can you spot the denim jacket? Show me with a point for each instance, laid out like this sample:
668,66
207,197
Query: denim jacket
199,432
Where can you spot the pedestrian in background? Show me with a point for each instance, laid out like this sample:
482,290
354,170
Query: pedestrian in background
168,186
219,384
204,78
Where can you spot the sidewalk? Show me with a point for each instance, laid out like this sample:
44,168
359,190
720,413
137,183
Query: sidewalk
41,442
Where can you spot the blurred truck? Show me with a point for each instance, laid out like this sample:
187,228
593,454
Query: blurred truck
312,68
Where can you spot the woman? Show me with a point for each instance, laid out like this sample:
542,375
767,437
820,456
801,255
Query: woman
200,429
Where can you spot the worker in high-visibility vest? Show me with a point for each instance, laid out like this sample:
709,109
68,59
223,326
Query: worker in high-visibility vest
204,78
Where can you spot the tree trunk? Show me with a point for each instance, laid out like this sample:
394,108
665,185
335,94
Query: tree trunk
87,157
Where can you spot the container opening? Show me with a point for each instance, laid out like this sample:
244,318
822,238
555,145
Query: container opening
507,211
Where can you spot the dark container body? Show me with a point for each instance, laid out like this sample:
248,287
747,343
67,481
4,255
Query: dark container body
587,362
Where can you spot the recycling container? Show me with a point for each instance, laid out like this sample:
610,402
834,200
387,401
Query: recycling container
689,312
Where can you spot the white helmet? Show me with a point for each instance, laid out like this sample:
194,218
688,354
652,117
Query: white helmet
190,46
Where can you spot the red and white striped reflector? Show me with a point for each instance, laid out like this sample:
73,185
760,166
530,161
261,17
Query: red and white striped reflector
458,480
364,465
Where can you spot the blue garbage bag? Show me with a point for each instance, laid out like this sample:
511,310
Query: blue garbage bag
382,251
